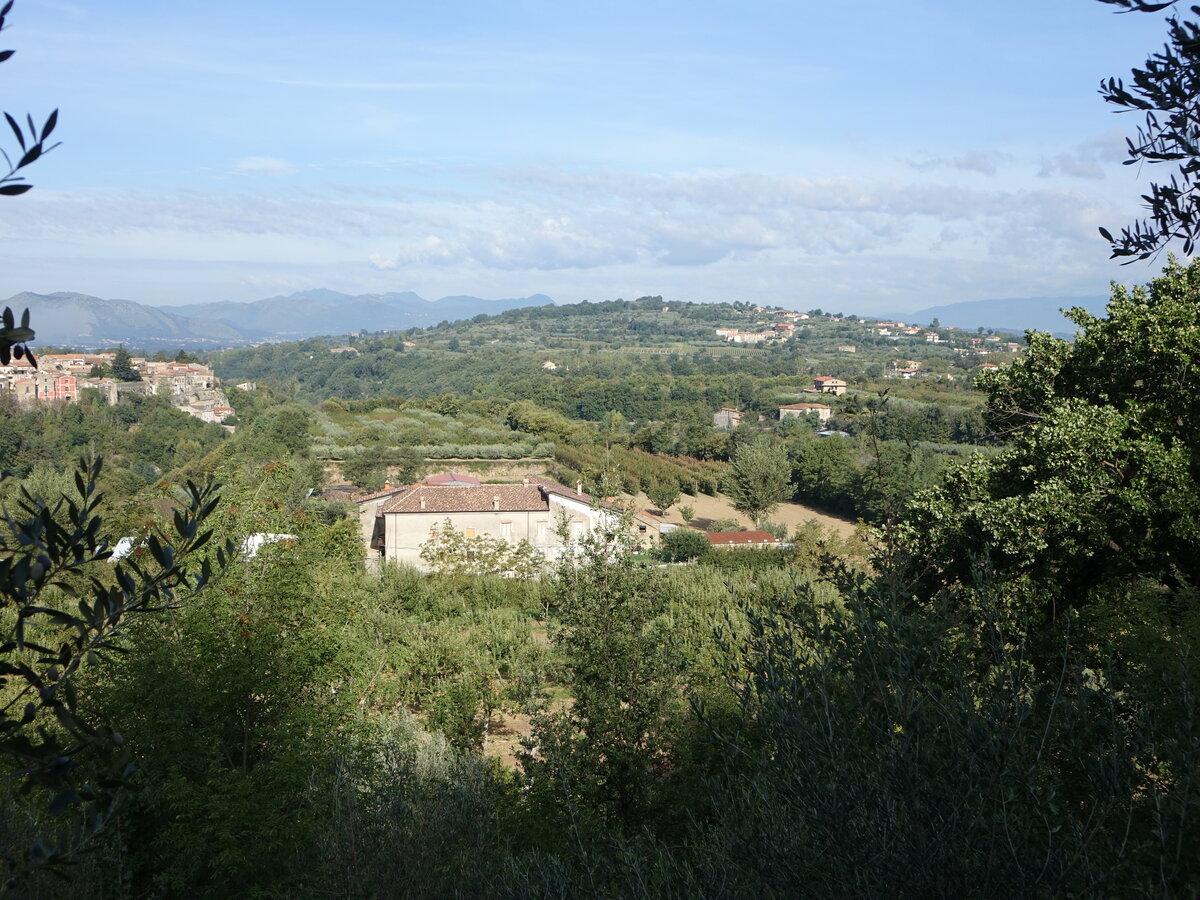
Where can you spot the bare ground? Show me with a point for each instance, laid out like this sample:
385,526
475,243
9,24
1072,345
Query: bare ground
710,509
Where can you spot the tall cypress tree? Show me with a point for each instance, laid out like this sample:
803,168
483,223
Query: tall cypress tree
122,366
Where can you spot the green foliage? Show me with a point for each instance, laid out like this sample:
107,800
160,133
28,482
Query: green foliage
632,468
880,751
1097,482
663,495
122,366
451,552
823,470
605,758
757,480
1165,91
61,612
374,465
682,545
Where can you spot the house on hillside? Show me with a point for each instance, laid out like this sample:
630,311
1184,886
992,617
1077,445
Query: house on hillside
397,521
727,417
827,384
802,409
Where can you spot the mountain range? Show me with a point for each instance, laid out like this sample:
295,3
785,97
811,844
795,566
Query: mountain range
1014,315
82,321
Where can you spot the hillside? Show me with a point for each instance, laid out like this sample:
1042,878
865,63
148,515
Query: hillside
80,320
83,321
310,313
1015,314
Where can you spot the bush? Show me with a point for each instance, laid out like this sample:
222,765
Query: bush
682,544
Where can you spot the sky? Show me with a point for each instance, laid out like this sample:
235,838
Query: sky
869,157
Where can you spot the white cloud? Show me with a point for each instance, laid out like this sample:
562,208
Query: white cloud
538,227
263,165
983,162
1092,158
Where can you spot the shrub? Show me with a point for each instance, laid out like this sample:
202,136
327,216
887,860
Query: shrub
683,544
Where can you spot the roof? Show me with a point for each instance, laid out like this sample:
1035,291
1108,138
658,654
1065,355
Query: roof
805,406
828,378
740,537
553,487
454,478
387,491
531,496
470,498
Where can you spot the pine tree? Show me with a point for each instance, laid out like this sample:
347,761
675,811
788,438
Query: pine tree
122,366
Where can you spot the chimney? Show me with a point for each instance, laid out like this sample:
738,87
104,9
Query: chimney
579,487
422,503
496,502
525,480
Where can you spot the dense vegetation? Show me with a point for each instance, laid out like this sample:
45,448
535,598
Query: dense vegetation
999,700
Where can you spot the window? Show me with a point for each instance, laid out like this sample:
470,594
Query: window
506,530
541,532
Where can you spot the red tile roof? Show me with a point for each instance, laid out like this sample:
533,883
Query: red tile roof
451,478
476,498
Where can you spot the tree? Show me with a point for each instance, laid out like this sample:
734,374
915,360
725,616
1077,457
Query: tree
607,755
369,469
758,477
683,544
1096,486
1167,91
663,494
451,552
33,145
122,366
60,615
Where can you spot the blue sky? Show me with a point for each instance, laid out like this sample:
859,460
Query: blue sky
872,156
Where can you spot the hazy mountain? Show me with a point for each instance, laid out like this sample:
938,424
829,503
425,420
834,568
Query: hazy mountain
79,320
1014,315
316,312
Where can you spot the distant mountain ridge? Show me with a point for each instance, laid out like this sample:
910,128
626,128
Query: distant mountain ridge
1014,315
83,321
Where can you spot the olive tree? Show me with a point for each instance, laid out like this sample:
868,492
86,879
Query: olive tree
1167,91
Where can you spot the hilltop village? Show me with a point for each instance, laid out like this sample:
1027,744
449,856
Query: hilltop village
191,386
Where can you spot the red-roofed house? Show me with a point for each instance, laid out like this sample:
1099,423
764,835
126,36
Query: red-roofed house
741,539
827,384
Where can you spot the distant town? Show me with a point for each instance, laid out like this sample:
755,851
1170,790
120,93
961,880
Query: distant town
190,386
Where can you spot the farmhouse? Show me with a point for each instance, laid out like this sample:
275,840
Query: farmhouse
727,417
396,522
800,409
827,384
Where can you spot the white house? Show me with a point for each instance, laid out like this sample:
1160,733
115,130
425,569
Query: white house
801,409
396,522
